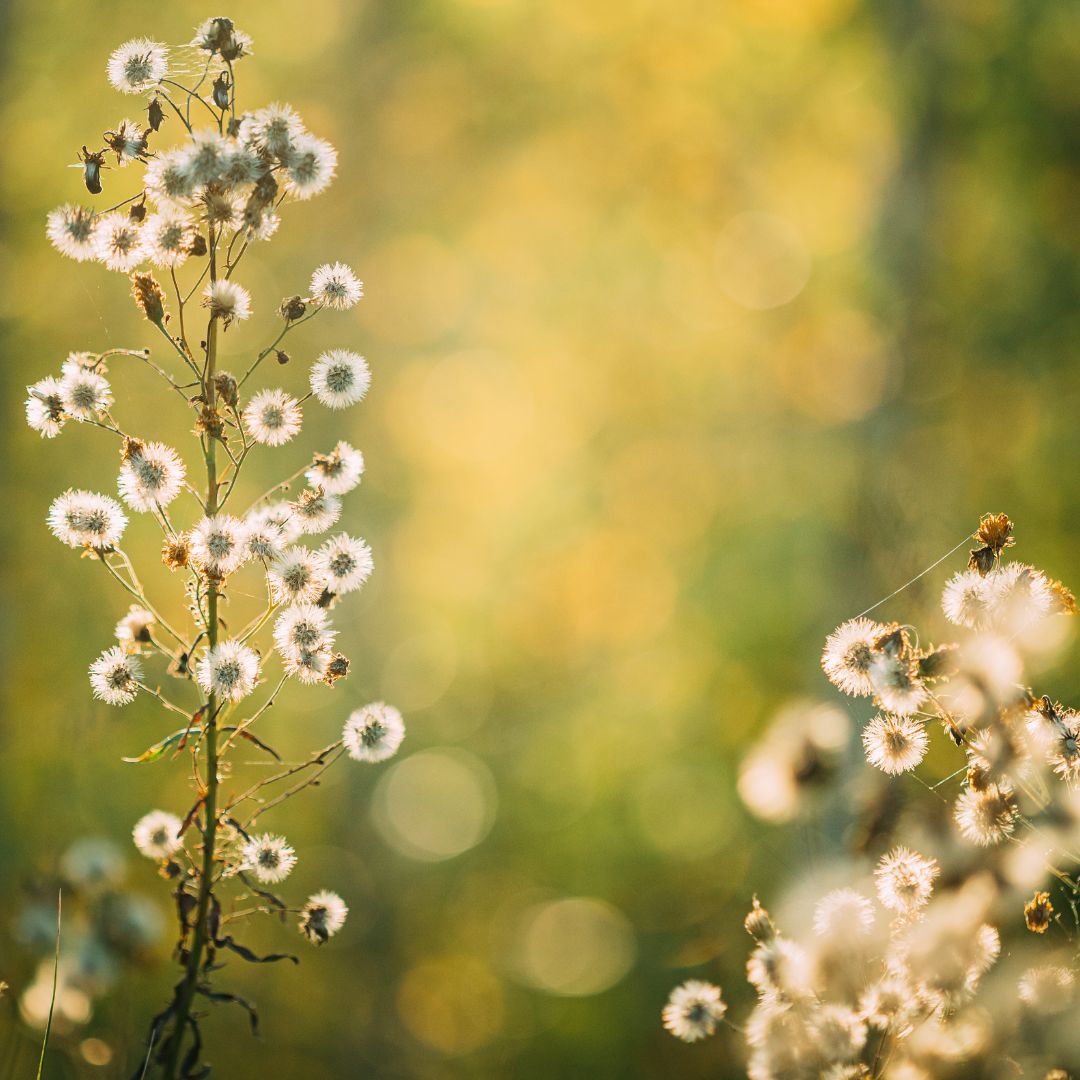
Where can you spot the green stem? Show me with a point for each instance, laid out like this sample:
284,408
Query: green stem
186,993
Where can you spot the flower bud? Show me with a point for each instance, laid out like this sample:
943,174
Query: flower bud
292,308
758,924
149,297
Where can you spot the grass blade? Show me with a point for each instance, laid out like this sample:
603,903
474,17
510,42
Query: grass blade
52,1001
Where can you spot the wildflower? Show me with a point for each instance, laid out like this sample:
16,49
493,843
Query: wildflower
217,545
338,472
45,407
904,880
995,534
758,924
240,166
693,1010
118,242
987,816
300,628
888,1001
842,912
280,516
1037,913
308,665
127,142
168,179
337,668
271,130
334,285
151,475
204,156
849,651
175,552
781,966
895,744
968,599
272,417
896,683
72,229
86,395
157,834
269,857
149,297
265,539
310,164
1064,750
114,676
340,378
227,301
295,577
86,519
220,36
230,670
168,236
373,733
346,563
1021,595
322,917
1047,989
138,65
133,629
315,511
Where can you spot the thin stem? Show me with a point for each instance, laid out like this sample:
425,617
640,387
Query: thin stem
186,992
135,588
273,345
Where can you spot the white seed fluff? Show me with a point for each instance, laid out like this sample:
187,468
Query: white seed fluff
340,378
374,732
114,677
156,834
230,669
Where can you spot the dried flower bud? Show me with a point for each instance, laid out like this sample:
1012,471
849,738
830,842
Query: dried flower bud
338,668
155,115
1064,601
221,91
210,423
198,247
132,448
982,559
149,297
91,164
995,532
174,554
282,356
758,924
937,663
137,211
1037,912
225,385
292,308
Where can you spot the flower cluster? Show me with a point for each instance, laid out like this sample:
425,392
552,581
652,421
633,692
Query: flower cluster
895,975
209,181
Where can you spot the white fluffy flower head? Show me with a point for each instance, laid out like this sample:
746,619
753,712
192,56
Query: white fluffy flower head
334,285
156,834
228,301
86,519
138,65
273,417
269,857
340,378
693,1010
230,669
114,676
322,917
373,733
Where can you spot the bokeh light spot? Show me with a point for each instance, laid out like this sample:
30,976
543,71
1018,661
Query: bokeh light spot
761,261
575,946
436,804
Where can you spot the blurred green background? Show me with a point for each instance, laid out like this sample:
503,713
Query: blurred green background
695,328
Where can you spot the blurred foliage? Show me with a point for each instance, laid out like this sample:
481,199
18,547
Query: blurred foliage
695,327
